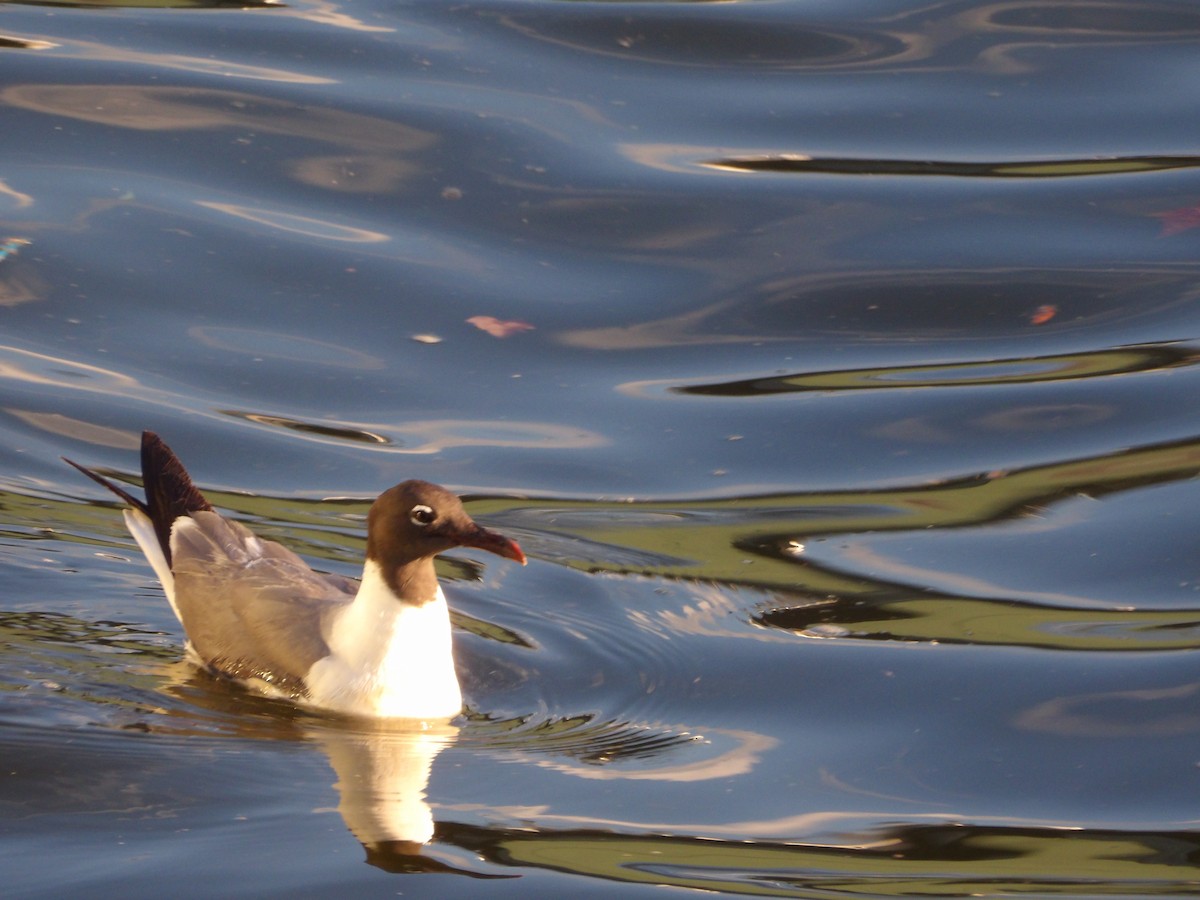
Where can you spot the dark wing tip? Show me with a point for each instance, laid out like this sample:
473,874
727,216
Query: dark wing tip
101,480
168,486
169,489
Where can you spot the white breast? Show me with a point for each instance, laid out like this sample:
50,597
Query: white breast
388,657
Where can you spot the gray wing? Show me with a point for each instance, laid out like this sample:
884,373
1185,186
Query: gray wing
251,608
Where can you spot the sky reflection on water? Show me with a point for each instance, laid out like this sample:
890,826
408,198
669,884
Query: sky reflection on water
833,362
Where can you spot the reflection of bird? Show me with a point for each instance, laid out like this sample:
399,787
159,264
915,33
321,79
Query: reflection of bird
382,775
255,612
383,770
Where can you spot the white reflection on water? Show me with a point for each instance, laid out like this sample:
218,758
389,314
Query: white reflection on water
303,225
322,13
77,429
123,56
432,435
410,437
15,199
1138,713
741,759
150,108
31,367
261,343
383,772
875,562
711,610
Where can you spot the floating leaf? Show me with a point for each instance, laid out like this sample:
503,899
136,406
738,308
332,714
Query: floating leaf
498,328
1177,220
1043,314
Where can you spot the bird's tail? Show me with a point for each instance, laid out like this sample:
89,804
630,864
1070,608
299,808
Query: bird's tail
169,490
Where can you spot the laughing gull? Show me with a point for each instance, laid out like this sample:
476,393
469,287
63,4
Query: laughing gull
254,611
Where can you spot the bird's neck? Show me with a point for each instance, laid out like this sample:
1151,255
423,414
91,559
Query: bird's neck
414,583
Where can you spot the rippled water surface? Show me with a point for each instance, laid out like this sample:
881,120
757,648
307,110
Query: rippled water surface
833,363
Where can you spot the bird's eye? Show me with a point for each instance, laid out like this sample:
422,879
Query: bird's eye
422,515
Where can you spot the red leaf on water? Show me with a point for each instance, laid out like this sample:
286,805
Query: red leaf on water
498,328
1177,220
1043,314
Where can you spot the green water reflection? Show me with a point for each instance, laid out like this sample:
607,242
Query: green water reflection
905,861
755,542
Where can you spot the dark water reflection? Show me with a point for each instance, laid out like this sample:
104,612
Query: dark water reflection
835,364
1118,360
1033,169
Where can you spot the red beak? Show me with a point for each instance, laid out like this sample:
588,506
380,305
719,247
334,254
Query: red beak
494,543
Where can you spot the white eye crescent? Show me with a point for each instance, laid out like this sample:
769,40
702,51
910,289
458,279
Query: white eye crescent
422,515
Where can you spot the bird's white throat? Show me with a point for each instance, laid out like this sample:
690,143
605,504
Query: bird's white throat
388,657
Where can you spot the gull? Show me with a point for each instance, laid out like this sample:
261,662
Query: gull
254,612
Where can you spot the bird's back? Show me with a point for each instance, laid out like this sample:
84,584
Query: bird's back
252,609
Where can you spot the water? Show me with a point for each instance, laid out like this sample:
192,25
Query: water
834,364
